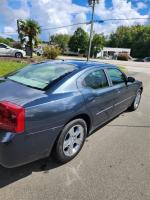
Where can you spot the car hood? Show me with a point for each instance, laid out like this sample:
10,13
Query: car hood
20,50
18,94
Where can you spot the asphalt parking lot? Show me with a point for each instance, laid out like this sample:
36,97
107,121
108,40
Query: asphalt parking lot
114,163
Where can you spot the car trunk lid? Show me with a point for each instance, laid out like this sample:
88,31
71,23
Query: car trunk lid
18,93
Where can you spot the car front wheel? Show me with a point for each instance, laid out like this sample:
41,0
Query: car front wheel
136,101
18,55
70,141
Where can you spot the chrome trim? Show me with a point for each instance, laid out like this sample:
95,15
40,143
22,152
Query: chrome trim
123,100
104,110
114,105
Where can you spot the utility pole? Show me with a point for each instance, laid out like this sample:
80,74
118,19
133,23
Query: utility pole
20,36
49,39
91,3
18,26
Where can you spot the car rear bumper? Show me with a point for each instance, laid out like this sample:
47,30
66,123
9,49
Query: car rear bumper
20,149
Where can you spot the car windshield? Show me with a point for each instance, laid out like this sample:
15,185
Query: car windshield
41,75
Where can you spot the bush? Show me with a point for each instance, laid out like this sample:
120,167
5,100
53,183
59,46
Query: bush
123,56
51,52
16,45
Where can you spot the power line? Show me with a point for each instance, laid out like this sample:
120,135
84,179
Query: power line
86,23
96,21
8,32
52,28
58,27
123,19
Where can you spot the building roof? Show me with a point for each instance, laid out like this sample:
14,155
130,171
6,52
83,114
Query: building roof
116,49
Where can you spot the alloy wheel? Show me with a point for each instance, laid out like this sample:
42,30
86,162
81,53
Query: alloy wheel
73,140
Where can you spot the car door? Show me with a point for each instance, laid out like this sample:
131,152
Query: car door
123,92
9,51
98,95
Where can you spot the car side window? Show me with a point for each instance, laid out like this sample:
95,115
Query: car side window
2,46
96,80
116,76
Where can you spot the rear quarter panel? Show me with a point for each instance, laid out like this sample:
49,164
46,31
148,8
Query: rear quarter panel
53,111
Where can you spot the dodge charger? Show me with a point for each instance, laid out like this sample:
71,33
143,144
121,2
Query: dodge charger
51,107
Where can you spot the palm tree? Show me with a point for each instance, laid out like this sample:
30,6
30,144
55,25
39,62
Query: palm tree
29,29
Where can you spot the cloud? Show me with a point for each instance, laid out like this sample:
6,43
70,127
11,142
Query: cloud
141,5
51,13
9,29
119,10
48,13
58,13
9,16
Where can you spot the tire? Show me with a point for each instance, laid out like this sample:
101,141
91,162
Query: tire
136,101
70,141
38,54
18,55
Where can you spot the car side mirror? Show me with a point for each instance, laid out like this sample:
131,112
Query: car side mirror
130,79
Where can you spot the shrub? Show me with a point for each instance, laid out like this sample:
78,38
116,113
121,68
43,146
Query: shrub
123,56
16,45
51,52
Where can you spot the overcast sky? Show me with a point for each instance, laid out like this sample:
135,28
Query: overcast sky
55,13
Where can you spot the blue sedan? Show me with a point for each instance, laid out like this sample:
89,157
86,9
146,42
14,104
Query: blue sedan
51,107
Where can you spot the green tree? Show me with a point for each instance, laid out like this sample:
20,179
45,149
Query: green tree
79,41
135,37
29,28
98,43
7,41
10,39
141,41
61,40
122,37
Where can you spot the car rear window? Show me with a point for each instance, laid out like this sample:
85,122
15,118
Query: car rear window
41,75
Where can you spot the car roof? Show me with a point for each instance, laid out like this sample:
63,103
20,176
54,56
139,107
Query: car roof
81,64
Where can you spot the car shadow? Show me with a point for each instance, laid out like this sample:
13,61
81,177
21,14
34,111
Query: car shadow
8,176
106,123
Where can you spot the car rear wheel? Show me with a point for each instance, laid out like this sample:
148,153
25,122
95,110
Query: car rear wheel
136,101
70,141
38,54
18,55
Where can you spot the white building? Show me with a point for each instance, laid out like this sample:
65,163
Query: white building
110,53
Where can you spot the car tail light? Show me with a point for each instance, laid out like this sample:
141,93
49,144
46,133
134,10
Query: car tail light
12,117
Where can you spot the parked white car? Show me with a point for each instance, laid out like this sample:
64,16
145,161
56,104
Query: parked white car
147,59
6,50
39,51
